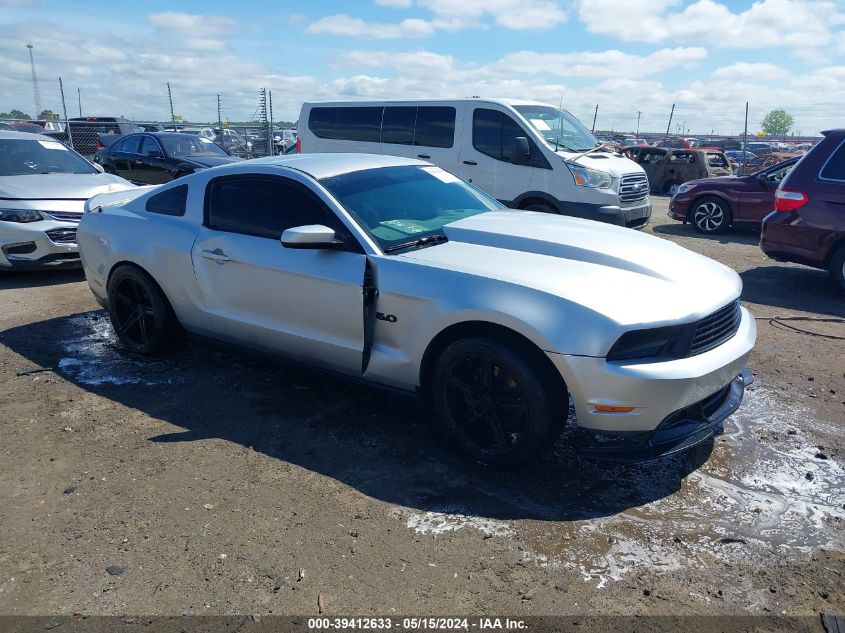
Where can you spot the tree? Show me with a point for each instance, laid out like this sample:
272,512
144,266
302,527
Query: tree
15,114
777,123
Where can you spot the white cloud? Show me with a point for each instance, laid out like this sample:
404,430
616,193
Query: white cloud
745,71
767,23
396,4
193,24
341,24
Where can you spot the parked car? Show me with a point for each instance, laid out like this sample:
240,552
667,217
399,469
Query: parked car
713,205
394,271
6,126
764,161
759,147
527,155
232,141
676,143
43,185
154,158
87,133
668,169
740,156
808,223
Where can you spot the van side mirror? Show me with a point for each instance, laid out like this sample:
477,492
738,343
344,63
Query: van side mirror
520,152
310,236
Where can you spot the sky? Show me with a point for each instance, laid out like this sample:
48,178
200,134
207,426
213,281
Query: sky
632,58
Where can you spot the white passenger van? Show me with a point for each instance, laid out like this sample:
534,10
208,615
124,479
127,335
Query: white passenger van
526,154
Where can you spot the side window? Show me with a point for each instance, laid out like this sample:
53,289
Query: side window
834,168
494,133
358,124
397,125
129,145
435,126
150,145
169,202
322,122
265,207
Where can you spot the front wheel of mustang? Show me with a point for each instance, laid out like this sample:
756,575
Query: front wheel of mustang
495,403
140,314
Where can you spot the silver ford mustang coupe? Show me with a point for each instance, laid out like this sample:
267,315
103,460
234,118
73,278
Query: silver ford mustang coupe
394,271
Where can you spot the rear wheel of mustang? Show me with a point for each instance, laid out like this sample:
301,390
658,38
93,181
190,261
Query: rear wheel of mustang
140,314
495,403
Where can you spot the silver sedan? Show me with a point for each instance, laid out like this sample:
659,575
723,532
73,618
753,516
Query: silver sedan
394,271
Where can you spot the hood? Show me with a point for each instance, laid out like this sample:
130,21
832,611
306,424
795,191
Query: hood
209,161
59,186
609,162
629,277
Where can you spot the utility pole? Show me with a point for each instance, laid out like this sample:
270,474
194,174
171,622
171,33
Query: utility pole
745,131
594,117
79,100
36,95
219,113
638,124
64,109
669,127
172,115
271,145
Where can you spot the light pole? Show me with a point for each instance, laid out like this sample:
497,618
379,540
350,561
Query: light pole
36,96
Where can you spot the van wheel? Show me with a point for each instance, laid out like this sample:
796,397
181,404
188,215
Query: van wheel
837,266
541,207
494,404
711,216
140,313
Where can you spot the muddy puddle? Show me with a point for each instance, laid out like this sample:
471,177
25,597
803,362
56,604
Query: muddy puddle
92,355
766,485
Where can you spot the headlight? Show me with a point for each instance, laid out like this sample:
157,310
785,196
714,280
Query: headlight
684,188
586,177
20,215
673,341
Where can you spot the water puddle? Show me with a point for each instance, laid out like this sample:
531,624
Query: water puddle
92,355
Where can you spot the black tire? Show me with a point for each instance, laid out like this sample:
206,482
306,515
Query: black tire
109,170
711,216
541,207
837,266
494,403
140,313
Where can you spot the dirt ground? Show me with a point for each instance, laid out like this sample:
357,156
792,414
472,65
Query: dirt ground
211,482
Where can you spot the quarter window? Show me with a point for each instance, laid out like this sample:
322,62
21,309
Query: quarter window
169,202
266,207
435,126
834,168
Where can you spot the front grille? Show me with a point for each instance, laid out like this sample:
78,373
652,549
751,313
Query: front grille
62,236
633,188
715,329
65,216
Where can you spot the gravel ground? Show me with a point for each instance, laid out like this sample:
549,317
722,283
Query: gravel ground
211,482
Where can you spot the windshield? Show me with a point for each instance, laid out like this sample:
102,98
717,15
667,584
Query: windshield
398,205
20,157
176,146
558,128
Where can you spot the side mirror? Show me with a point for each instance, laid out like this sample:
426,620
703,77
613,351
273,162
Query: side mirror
312,236
520,152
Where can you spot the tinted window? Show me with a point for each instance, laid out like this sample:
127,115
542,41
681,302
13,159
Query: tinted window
322,121
265,207
834,169
358,124
129,145
494,133
150,145
170,202
398,125
435,126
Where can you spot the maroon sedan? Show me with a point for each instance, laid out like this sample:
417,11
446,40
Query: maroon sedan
808,223
713,205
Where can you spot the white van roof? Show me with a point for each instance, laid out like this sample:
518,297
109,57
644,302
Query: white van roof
380,102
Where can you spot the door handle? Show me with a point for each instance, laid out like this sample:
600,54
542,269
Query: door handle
217,255
470,162
425,156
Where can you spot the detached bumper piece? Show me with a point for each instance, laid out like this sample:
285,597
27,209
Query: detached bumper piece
56,261
679,431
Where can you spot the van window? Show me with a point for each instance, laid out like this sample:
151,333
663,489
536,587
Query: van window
322,121
398,125
358,124
494,133
834,168
435,126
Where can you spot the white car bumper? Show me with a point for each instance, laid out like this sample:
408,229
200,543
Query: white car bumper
38,245
694,394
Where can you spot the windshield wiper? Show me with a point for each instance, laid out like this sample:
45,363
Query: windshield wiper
428,240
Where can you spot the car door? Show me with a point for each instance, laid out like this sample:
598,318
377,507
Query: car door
305,304
123,154
758,198
153,163
486,151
